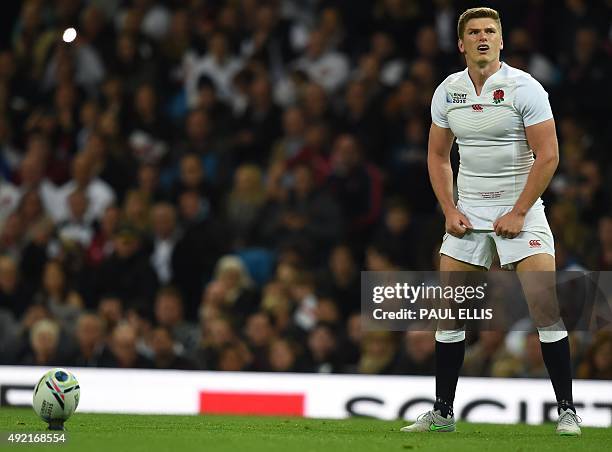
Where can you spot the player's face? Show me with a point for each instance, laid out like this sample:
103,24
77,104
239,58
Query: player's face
481,41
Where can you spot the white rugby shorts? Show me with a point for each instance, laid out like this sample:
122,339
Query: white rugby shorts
478,247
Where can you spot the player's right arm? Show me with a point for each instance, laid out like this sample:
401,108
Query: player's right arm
441,177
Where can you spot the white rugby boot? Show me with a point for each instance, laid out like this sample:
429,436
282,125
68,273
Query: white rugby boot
567,425
431,421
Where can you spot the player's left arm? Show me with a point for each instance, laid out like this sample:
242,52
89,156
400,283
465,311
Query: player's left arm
542,139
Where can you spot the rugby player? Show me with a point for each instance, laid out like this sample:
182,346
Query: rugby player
500,117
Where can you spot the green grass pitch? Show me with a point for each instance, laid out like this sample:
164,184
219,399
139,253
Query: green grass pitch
115,433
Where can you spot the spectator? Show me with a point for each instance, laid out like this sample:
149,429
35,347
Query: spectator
83,60
260,333
351,182
234,357
417,354
137,212
218,64
361,119
341,279
407,164
427,47
19,346
380,257
323,350
259,125
377,353
148,182
275,301
99,194
89,115
155,19
193,177
101,245
44,341
244,203
283,356
14,293
537,64
122,350
8,333
216,332
273,40
598,362
31,174
592,199
203,242
111,312
384,49
76,229
132,63
164,353
115,166
127,271
35,253
240,294
9,198
604,252
293,139
316,104
586,69
95,30
306,302
397,233
531,363
324,66
488,356
164,238
90,341
31,212
169,314
146,131
64,303
308,214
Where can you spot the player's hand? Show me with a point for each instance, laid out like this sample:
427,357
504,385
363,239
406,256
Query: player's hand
509,225
457,224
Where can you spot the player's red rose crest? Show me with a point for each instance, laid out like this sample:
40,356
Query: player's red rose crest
498,96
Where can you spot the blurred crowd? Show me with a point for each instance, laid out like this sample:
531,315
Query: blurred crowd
197,184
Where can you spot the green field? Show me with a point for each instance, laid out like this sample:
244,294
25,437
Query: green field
115,433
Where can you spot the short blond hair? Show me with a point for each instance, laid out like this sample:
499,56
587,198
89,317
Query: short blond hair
476,13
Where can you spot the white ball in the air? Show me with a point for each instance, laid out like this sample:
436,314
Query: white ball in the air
69,34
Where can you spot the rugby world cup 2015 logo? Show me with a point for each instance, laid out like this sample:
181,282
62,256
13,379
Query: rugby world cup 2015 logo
498,96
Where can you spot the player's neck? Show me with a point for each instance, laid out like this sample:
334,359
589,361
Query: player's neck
480,74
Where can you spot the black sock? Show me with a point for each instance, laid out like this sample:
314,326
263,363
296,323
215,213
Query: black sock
449,359
558,362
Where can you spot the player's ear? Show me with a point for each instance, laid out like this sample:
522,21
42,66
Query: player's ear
501,44
460,45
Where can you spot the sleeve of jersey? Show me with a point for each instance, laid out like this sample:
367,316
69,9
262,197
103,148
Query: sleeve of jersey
531,100
438,107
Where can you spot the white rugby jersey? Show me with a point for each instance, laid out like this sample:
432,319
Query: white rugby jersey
495,159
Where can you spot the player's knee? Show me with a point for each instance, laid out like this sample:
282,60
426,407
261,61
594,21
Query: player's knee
552,333
450,336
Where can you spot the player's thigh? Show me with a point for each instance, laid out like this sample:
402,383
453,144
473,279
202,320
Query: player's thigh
530,250
453,274
537,262
538,280
450,264
472,252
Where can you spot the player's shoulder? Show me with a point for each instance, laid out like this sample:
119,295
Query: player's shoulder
454,79
520,78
